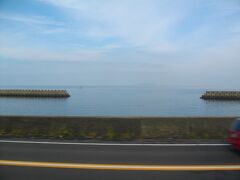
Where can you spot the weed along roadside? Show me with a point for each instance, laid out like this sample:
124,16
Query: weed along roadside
114,128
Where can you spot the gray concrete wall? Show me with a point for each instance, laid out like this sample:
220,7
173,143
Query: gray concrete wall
115,128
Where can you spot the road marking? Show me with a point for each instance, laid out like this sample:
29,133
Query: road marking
111,144
122,167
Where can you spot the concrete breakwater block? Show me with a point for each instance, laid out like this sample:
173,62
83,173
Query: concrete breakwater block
221,95
34,93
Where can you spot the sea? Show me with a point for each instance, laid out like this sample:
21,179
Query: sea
119,101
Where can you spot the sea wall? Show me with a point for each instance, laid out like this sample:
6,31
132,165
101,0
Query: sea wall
186,127
114,128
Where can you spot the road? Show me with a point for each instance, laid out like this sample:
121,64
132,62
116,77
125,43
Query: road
114,161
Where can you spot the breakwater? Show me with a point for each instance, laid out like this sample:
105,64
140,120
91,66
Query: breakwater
34,93
114,128
221,95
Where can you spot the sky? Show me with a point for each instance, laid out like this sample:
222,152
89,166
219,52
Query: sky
128,42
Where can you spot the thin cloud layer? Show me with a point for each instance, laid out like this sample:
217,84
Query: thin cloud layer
181,36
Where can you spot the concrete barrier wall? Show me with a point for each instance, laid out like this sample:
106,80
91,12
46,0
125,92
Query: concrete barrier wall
114,128
181,128
70,127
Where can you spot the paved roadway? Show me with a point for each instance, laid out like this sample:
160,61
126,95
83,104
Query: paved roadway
83,161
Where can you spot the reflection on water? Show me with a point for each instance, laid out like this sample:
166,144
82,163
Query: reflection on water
121,101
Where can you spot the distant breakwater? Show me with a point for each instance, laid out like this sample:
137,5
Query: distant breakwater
34,93
221,95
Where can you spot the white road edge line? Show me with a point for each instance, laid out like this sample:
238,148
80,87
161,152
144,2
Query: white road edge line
109,144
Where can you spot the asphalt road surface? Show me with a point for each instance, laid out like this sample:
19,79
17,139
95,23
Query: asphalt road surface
42,161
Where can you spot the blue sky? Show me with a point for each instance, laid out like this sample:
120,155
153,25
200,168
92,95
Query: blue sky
111,42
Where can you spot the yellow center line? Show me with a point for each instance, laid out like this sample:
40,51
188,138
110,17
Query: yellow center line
123,167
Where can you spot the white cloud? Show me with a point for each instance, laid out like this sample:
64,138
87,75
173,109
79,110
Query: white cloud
236,29
35,23
137,22
33,19
145,25
49,55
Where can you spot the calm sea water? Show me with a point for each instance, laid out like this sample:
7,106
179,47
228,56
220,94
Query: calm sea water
120,101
